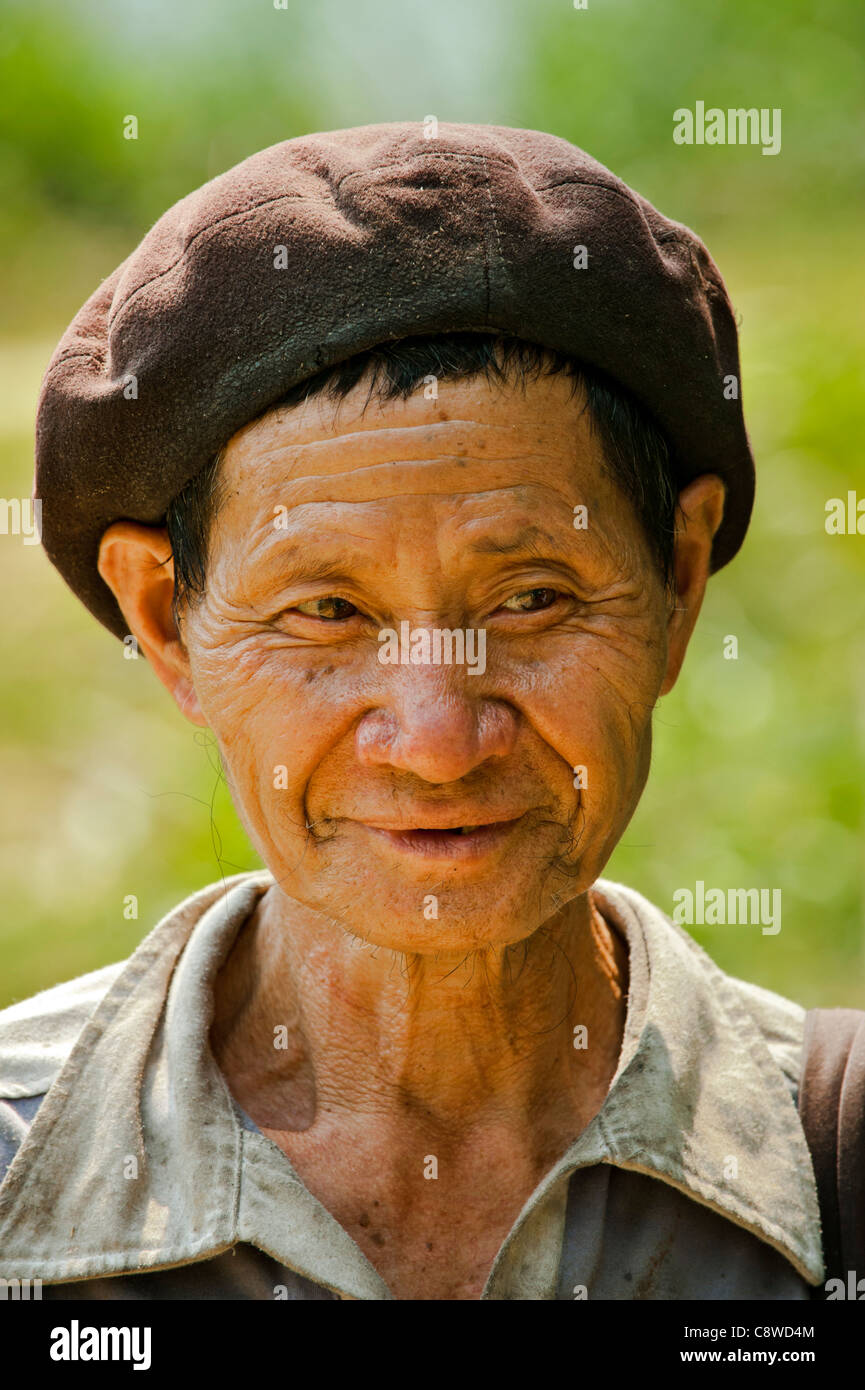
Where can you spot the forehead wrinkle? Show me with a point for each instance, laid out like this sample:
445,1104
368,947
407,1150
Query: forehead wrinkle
384,447
404,438
301,492
335,475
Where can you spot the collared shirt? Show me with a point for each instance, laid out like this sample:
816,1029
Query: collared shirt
134,1173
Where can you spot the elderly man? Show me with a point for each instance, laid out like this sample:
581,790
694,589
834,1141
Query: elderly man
405,462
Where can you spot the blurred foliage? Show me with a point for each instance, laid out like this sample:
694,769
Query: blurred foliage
758,772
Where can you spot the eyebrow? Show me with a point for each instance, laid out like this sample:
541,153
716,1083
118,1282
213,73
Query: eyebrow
295,563
529,542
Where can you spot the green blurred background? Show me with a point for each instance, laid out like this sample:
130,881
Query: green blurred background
759,762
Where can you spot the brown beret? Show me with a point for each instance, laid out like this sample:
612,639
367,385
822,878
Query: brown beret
322,246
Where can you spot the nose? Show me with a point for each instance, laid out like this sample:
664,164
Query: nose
433,724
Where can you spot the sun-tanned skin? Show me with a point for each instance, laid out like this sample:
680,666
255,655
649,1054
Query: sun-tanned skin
412,1034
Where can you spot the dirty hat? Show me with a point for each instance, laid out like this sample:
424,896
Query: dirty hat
325,245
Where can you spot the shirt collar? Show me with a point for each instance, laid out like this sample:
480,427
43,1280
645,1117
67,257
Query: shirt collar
137,1160
698,1098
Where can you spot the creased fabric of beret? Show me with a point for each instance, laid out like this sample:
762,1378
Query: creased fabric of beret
385,233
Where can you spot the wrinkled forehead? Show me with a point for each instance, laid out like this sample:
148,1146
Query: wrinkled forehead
472,436
479,470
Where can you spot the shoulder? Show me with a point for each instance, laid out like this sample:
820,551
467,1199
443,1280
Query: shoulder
38,1034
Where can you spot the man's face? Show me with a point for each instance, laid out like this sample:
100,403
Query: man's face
352,774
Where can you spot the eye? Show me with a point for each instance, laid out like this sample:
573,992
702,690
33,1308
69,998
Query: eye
532,601
331,608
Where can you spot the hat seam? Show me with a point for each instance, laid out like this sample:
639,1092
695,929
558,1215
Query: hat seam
591,183
424,154
492,204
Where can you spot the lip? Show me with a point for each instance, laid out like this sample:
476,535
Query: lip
439,842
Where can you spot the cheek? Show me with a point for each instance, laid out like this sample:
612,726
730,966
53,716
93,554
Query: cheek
276,718
591,702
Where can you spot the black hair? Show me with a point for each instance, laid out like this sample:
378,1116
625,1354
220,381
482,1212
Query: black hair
636,452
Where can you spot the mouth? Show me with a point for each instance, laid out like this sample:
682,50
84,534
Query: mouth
447,842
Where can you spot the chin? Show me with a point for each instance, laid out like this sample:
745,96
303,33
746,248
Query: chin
438,938
439,914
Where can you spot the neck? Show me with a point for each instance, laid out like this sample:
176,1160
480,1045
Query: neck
308,1019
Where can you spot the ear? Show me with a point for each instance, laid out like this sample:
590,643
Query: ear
701,508
137,565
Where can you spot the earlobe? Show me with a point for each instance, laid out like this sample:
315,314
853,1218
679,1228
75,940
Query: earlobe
136,563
